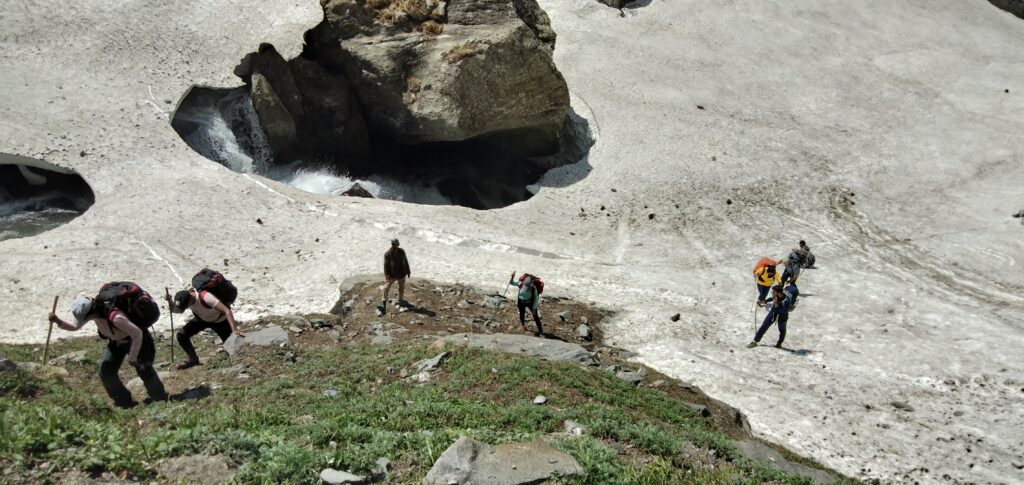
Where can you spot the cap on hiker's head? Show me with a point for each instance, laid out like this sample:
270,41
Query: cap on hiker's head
80,308
182,300
778,288
394,242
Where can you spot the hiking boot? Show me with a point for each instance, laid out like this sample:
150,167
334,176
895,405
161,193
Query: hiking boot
751,345
778,346
188,364
126,405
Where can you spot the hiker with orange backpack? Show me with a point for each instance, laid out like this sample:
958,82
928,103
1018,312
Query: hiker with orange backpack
210,300
765,276
530,289
123,313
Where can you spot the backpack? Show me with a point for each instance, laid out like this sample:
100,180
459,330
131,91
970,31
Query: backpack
214,282
810,259
761,263
537,283
130,299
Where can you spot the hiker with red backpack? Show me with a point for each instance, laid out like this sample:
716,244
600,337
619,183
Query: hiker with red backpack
530,289
765,276
210,300
123,313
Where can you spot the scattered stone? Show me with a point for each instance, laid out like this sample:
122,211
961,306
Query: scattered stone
421,377
547,349
432,363
658,383
382,340
294,329
468,461
194,469
77,357
676,317
584,320
270,336
700,409
540,399
321,323
574,428
583,331
565,316
403,373
903,406
625,354
136,385
382,467
290,357
305,419
330,476
335,335
632,377
332,393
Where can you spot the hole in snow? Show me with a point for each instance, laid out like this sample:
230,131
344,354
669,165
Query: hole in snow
36,196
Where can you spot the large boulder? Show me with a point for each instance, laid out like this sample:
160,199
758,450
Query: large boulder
546,349
272,336
490,75
469,462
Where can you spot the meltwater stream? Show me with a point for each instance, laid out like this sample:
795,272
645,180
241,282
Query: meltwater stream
222,125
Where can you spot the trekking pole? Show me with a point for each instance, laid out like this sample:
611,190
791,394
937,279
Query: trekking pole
170,314
497,305
46,349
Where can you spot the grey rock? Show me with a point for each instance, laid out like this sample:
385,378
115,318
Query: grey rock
357,190
77,357
335,335
760,453
321,324
7,365
540,399
547,349
294,329
700,409
658,383
272,336
432,363
584,320
565,316
382,340
468,461
625,354
583,331
382,466
492,301
194,469
421,377
331,393
136,385
574,428
632,377
330,476
903,406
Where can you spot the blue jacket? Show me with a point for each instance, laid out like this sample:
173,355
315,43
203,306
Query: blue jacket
778,313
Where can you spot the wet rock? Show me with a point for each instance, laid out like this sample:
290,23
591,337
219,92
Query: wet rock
468,461
357,190
272,336
432,363
546,349
330,476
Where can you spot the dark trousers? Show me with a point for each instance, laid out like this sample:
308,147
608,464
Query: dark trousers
196,325
767,324
111,362
762,292
523,305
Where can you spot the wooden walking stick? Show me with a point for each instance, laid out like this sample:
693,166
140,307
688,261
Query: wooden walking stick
46,349
170,313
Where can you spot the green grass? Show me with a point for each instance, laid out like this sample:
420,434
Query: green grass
256,423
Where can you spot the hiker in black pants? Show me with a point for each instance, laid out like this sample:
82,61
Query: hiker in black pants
125,339
208,312
779,313
530,288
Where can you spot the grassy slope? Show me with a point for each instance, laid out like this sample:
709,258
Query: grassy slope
636,434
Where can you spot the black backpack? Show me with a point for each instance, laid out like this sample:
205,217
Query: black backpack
214,282
130,299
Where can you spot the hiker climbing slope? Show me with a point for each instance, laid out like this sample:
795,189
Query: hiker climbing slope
396,268
530,289
210,300
765,276
123,313
779,313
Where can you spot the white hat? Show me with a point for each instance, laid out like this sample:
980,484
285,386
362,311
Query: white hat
81,308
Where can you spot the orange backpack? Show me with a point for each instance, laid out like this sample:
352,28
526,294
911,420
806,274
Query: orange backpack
764,262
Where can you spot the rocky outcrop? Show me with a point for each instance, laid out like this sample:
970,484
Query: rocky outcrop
490,74
272,336
546,349
305,111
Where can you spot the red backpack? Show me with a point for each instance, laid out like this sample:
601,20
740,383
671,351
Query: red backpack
130,299
764,262
537,282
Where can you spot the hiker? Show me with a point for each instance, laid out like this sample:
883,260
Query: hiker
530,288
808,255
396,268
792,292
210,300
765,276
123,313
794,265
779,313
